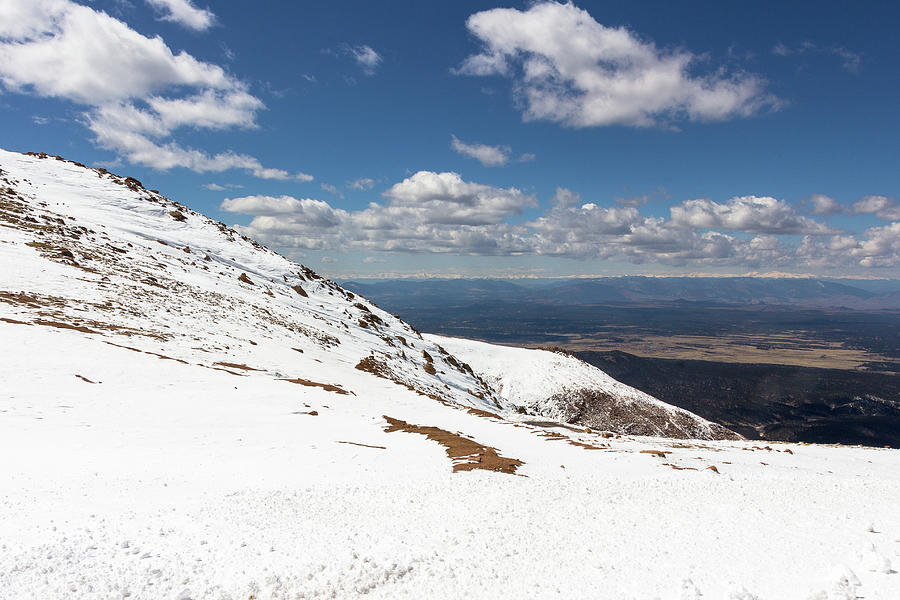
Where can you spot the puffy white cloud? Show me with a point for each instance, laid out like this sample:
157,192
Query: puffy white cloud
433,212
210,109
489,156
137,90
312,213
446,198
184,13
140,149
881,248
427,212
71,51
565,198
567,67
825,206
886,209
754,214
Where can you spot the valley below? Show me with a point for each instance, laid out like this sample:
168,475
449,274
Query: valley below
775,371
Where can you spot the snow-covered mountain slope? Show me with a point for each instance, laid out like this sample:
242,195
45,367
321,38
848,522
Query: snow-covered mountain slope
163,437
92,251
564,388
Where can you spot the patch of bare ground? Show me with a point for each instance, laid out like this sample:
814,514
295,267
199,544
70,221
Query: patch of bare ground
587,446
379,368
599,409
156,354
30,300
466,454
658,453
230,372
125,347
61,325
240,366
13,321
363,445
164,357
556,424
90,326
677,468
325,386
483,413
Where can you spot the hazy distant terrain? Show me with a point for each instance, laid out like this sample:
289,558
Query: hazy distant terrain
772,401
718,319
773,357
738,291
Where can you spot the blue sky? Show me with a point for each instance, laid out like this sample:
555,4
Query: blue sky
477,139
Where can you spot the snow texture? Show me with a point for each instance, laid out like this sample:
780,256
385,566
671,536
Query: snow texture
562,387
164,437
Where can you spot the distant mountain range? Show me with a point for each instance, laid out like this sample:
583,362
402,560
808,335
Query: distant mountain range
759,291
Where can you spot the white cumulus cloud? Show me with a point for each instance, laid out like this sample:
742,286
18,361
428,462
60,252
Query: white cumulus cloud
436,213
137,92
489,156
825,206
184,13
567,67
886,209
754,214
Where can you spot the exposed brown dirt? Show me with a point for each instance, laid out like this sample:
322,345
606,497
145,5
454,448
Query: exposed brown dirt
379,368
126,347
21,299
13,321
226,370
677,468
587,446
466,454
483,413
164,357
325,386
363,445
60,325
658,453
240,366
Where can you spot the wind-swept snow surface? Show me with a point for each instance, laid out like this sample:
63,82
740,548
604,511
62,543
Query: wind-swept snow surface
178,420
562,387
